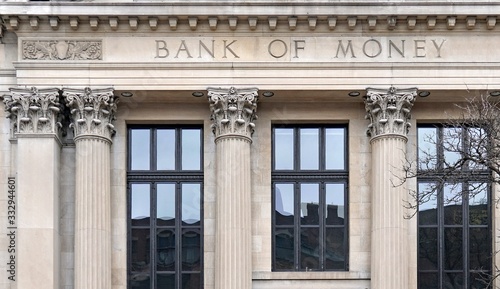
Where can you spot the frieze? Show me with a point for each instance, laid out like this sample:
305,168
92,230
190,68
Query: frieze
61,50
233,111
389,110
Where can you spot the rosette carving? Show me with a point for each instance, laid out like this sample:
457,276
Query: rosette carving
34,111
233,111
92,111
389,110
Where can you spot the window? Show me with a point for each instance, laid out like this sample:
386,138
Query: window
165,184
454,221
310,198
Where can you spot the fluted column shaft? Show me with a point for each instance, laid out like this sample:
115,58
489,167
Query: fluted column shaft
92,214
233,112
389,229
389,114
92,112
35,121
233,259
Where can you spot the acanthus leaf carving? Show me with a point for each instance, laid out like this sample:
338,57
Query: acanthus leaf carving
389,110
61,50
92,111
233,111
34,111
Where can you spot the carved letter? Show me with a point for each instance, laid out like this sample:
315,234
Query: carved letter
400,51
438,48
345,49
376,53
297,47
211,52
419,48
161,47
226,48
183,47
285,48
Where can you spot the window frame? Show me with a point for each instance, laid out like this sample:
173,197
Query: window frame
322,177
464,180
154,177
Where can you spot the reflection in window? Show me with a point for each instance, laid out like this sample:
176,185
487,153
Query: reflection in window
454,234
309,213
165,204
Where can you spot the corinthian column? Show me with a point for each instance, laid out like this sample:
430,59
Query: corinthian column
35,122
388,112
92,112
233,113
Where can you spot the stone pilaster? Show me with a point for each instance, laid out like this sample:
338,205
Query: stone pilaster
233,112
92,112
35,122
389,113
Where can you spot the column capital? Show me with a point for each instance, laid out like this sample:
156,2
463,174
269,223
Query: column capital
389,110
34,111
92,111
233,111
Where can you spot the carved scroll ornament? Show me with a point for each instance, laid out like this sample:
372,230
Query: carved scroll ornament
92,111
61,50
34,111
389,110
233,111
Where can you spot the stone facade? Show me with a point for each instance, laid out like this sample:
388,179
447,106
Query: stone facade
369,66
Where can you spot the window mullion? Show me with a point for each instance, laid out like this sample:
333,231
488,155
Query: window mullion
152,233
178,234
322,247
297,225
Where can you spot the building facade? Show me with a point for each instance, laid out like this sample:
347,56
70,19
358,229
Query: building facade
240,144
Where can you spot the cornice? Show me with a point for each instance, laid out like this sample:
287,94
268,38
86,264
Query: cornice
233,15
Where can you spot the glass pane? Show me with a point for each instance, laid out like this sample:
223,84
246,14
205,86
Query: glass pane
165,149
309,149
478,142
427,208
191,281
191,194
283,249
284,204
453,280
140,206
140,250
335,213
309,204
427,249
283,149
165,242
452,145
165,281
191,149
428,281
165,205
427,141
478,204
334,249
479,249
335,148
480,280
191,250
452,204
140,149
140,280
453,249
309,249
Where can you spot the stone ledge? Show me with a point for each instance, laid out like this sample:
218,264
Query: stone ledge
328,275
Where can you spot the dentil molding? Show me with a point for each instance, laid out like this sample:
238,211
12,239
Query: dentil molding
34,111
233,111
92,111
389,110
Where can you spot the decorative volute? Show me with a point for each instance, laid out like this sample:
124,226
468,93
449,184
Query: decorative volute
92,111
389,110
233,111
34,111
